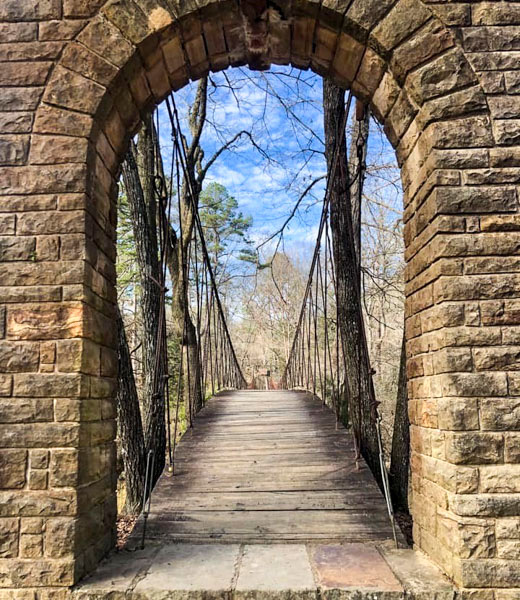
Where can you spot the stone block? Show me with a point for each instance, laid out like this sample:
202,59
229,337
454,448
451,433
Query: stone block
81,8
60,121
64,468
474,448
458,414
37,503
6,385
39,435
9,532
17,248
508,549
13,467
53,149
19,357
71,90
16,122
59,537
43,385
13,149
39,459
106,40
24,74
512,448
38,480
31,546
64,29
508,528
15,573
13,10
7,224
18,32
441,76
500,414
26,410
32,525
500,479
404,18
74,356
109,362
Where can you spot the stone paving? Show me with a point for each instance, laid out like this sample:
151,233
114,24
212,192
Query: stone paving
207,571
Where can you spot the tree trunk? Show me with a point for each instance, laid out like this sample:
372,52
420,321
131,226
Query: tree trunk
130,426
357,169
183,325
143,211
400,459
359,383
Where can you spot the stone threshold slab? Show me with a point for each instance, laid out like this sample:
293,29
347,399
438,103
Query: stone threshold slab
277,571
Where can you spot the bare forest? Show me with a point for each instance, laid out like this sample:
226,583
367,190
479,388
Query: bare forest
220,202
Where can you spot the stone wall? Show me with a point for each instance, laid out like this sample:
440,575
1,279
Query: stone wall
75,78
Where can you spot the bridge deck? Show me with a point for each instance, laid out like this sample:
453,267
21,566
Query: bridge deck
264,467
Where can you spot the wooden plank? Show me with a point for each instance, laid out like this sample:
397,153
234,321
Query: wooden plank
262,467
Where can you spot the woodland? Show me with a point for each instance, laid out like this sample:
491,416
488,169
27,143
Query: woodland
261,150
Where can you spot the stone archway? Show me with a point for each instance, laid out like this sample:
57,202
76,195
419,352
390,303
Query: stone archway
76,79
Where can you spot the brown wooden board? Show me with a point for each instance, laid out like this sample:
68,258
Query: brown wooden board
267,466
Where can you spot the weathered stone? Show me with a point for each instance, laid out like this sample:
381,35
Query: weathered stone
38,480
18,32
364,14
47,248
500,414
32,179
30,51
39,459
55,120
38,223
43,385
17,572
20,98
500,479
37,504
30,294
426,43
57,149
512,448
31,546
78,356
81,8
71,90
26,410
45,322
474,448
64,468
16,122
405,17
60,30
13,465
12,10
58,536
8,538
18,357
13,149
16,248
32,525
24,74
458,414
39,435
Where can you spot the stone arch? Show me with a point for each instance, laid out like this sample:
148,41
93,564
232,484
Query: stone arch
126,56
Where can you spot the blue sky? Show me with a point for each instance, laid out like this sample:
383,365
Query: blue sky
282,109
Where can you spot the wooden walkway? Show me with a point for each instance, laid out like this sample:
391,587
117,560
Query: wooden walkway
265,467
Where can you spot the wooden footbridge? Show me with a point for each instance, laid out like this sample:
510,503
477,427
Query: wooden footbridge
266,467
